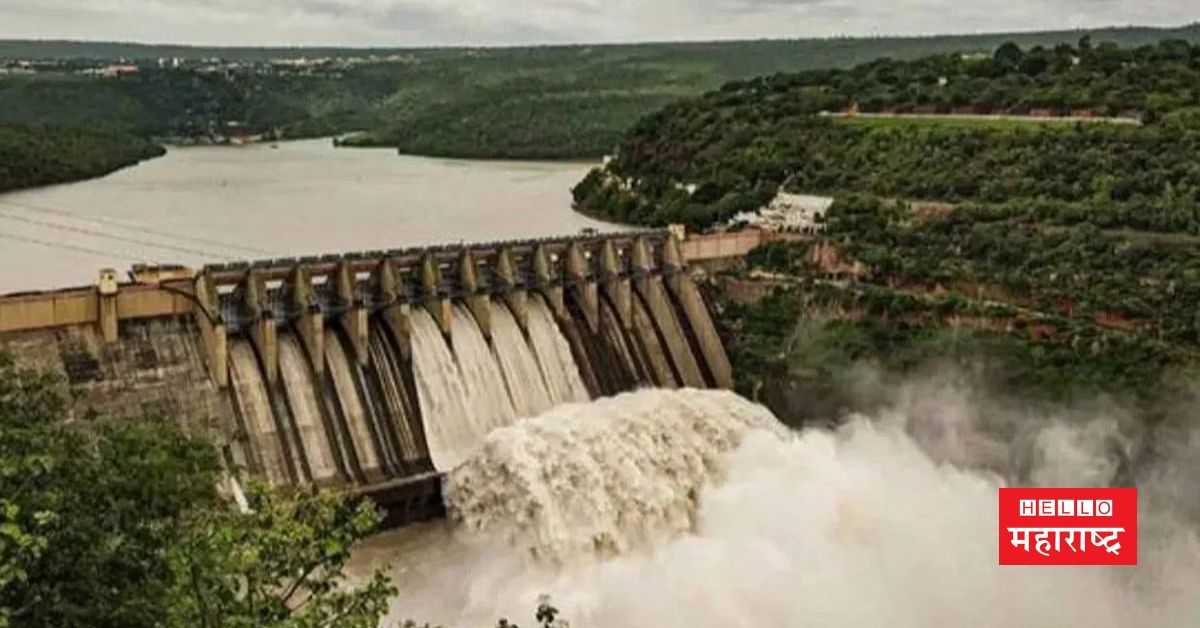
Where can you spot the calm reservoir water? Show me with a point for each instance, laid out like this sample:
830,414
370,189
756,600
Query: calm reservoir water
212,204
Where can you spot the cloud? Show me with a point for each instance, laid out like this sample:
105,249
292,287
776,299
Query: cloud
489,22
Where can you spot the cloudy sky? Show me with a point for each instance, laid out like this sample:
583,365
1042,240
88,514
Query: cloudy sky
488,22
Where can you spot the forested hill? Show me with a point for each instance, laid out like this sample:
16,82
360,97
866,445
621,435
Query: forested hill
828,52
541,102
703,160
37,155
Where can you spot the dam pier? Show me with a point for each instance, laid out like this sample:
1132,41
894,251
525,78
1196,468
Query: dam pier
375,372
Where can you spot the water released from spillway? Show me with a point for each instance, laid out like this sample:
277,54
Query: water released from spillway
523,378
486,395
694,509
467,387
450,429
558,367
603,477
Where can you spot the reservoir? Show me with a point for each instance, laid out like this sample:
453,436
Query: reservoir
214,204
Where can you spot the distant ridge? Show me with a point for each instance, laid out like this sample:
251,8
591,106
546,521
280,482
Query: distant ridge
73,49
534,102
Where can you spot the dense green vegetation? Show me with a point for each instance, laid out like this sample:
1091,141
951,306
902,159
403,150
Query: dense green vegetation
123,525
702,161
1053,313
131,523
39,155
1149,283
184,103
1057,260
557,101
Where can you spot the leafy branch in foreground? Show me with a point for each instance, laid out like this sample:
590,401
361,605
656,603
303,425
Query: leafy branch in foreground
123,526
280,563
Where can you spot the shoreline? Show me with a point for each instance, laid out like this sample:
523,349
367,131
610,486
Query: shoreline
482,157
100,175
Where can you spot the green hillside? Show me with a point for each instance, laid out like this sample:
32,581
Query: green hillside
554,101
704,160
36,155
1046,261
1015,305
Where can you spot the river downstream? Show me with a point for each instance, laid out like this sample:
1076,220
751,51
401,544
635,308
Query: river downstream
211,204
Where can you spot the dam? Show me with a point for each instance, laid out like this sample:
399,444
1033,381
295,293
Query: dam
377,372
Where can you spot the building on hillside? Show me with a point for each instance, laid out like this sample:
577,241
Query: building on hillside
112,71
790,213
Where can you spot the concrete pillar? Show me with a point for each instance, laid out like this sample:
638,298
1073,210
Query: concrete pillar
395,311
397,324
616,286
514,291
678,231
262,326
354,316
547,282
436,302
387,283
310,324
650,286
692,302
213,334
658,363
106,301
585,289
475,296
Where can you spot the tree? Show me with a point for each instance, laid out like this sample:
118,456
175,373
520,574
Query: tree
87,514
280,564
1008,56
122,525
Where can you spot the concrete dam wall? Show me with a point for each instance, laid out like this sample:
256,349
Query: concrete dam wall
375,372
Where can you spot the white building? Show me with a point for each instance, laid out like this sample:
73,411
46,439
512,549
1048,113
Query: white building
790,213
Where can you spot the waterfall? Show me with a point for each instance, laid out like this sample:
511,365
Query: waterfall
601,478
352,409
301,394
396,417
868,524
254,407
486,396
526,386
449,428
554,355
463,393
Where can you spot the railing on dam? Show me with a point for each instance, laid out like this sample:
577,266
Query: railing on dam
163,291
364,371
